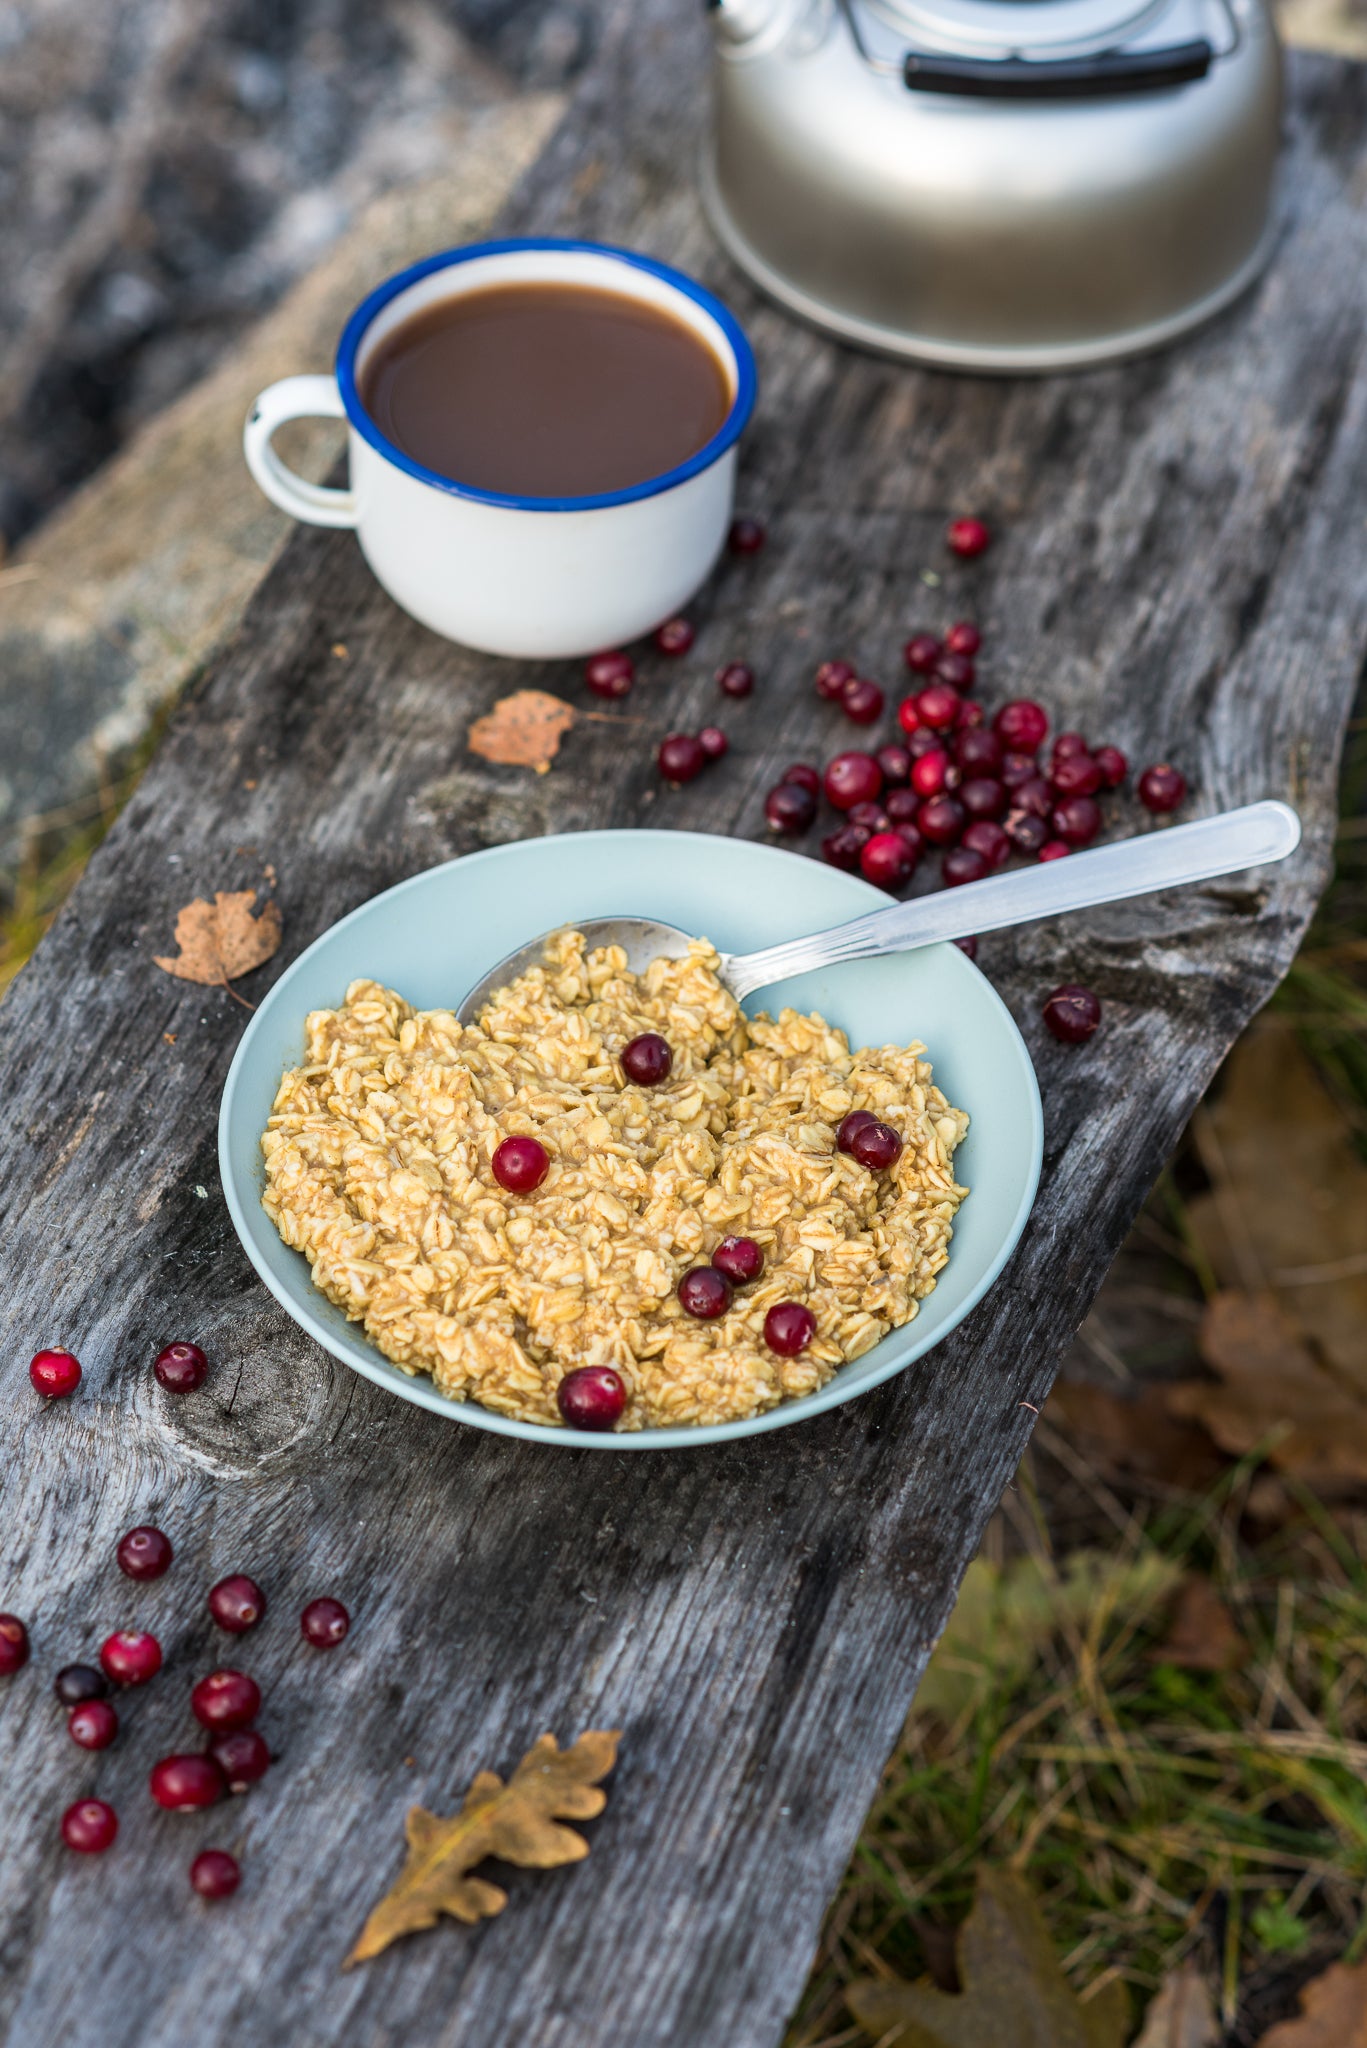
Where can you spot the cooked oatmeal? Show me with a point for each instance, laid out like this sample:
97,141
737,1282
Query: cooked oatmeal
378,1169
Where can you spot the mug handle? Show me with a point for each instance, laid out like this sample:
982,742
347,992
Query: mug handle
296,398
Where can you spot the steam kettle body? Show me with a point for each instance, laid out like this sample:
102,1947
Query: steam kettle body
996,185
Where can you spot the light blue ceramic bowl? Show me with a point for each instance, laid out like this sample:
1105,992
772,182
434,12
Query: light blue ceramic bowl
432,937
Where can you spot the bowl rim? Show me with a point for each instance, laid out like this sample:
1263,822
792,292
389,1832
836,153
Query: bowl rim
419,1389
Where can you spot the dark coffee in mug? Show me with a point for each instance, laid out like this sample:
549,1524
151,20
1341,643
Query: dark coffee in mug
546,390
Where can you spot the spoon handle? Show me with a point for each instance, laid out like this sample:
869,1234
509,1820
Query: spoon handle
1223,845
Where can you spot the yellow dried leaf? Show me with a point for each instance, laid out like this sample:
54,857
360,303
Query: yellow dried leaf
1333,2012
221,940
517,1821
1014,1995
522,731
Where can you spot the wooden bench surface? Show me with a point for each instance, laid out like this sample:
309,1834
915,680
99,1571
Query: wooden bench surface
1181,568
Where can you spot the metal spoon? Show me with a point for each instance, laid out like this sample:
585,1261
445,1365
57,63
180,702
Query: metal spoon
1223,845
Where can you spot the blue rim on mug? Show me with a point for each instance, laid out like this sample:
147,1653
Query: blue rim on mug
729,432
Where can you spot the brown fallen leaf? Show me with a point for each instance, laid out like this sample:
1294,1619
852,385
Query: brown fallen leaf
516,1821
1134,1435
1272,1385
1333,2012
1182,2014
221,940
522,731
1202,1635
1015,1994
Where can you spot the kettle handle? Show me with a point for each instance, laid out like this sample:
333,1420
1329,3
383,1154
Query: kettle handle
1068,78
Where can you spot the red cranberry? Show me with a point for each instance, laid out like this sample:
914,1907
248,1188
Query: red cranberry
1026,832
902,805
923,741
1113,765
737,679
237,1604
1075,775
681,757
180,1367
144,1553
93,1725
226,1700
987,838
895,763
933,772
979,748
957,670
967,537
705,1293
1072,1013
789,1328
1162,788
871,816
804,775
739,1260
13,1645
746,537
1054,849
181,1783
831,679
858,1120
941,820
908,717
875,1146
713,742
1033,795
55,1373
969,715
887,860
130,1658
863,701
520,1164
77,1683
968,945
921,653
89,1826
1022,724
938,706
853,779
1070,743
215,1874
982,796
963,864
1076,820
324,1623
243,1756
789,808
912,839
963,638
1018,768
843,848
675,636
647,1059
610,675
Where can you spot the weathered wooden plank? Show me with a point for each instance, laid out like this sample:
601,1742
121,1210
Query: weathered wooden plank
1180,565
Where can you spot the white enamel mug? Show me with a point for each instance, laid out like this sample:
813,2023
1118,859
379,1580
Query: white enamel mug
534,577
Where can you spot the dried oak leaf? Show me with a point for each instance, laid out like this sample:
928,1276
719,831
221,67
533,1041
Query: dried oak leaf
1202,1635
522,731
1333,2012
517,1821
1133,1435
1015,1994
221,940
1272,1385
1182,2013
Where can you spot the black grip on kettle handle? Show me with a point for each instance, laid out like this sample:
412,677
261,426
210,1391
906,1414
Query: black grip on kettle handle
1064,78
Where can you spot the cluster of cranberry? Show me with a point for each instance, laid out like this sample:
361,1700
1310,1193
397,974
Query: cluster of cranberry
225,1702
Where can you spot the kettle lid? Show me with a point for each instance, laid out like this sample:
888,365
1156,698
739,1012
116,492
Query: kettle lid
1015,27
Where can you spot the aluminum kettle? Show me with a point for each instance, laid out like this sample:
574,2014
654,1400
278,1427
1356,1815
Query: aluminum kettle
996,185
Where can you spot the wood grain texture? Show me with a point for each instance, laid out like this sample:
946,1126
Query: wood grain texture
1180,566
